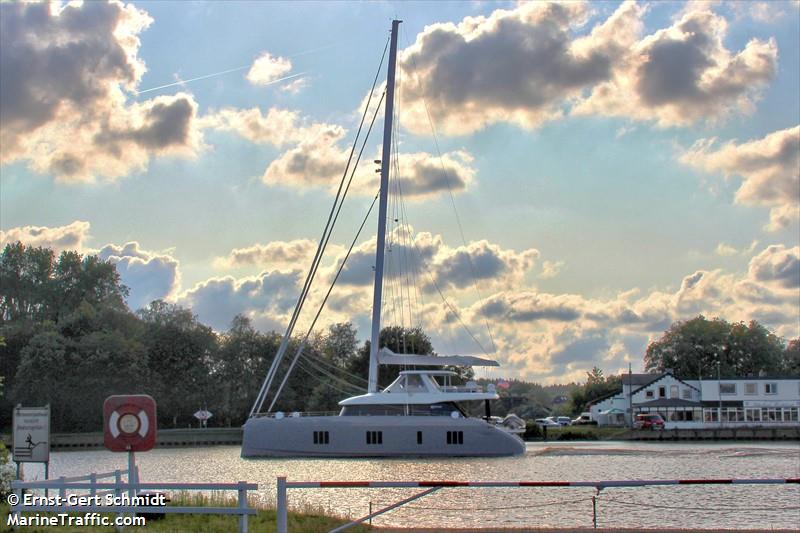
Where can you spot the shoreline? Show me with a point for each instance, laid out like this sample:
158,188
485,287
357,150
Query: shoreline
196,437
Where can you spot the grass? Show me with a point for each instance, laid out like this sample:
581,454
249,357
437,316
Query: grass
307,520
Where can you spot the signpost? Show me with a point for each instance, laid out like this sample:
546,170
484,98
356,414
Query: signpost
129,425
31,439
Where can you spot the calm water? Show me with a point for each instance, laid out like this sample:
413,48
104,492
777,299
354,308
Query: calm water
742,506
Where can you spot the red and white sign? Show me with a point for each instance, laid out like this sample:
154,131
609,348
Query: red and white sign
129,423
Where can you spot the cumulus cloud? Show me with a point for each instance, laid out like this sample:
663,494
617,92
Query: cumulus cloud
437,265
278,127
149,275
770,168
319,160
778,265
70,237
266,298
684,73
272,254
515,65
528,65
554,337
63,93
268,68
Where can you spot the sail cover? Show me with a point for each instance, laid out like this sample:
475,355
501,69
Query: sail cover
388,357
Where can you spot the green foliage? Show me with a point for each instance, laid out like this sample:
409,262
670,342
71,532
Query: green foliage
596,386
693,348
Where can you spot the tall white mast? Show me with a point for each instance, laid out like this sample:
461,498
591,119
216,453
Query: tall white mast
384,194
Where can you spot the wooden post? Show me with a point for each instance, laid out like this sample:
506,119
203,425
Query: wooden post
594,511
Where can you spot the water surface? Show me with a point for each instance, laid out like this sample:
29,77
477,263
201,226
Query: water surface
714,506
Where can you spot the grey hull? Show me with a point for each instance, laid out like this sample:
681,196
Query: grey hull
400,436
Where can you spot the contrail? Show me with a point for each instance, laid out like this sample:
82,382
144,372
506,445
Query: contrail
311,51
217,74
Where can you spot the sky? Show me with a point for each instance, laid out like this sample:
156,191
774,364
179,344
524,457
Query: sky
576,176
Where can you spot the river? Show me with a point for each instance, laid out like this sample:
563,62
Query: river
713,506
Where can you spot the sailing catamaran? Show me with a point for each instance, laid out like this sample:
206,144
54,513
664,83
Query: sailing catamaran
417,415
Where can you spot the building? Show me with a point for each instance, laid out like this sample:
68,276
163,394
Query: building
711,403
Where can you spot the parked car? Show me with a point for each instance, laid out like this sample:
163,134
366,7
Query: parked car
564,421
648,421
547,422
583,419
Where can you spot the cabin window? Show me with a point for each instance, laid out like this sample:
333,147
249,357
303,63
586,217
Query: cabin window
374,437
750,389
322,437
414,383
727,388
662,392
770,388
673,391
455,437
419,437
687,394
649,394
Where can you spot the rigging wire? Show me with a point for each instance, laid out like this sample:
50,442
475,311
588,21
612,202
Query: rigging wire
453,203
324,301
447,304
320,250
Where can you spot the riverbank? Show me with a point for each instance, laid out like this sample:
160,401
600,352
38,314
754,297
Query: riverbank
192,437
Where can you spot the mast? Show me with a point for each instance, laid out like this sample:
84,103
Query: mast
384,194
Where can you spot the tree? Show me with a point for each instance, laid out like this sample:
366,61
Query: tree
700,348
179,355
790,361
597,385
239,365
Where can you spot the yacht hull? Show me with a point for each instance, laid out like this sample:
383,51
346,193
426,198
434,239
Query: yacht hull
376,436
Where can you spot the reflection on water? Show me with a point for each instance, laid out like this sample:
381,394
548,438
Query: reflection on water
718,506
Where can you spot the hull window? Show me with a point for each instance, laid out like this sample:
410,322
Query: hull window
455,437
374,437
322,437
419,437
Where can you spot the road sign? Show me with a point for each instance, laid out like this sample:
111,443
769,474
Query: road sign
129,423
31,441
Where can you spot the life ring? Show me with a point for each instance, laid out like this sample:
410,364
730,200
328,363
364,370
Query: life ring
126,421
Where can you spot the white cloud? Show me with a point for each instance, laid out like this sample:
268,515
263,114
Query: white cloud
149,275
770,168
777,265
268,68
266,298
319,160
70,237
270,255
528,65
725,249
63,95
436,264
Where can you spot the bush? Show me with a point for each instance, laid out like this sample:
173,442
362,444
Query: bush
532,431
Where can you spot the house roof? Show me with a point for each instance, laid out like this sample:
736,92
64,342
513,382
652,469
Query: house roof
662,376
638,380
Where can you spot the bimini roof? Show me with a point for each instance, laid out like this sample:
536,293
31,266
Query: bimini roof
388,357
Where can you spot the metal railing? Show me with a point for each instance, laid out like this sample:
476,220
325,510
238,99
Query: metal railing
433,486
118,488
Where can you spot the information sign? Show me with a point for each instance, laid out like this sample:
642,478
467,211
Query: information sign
31,440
